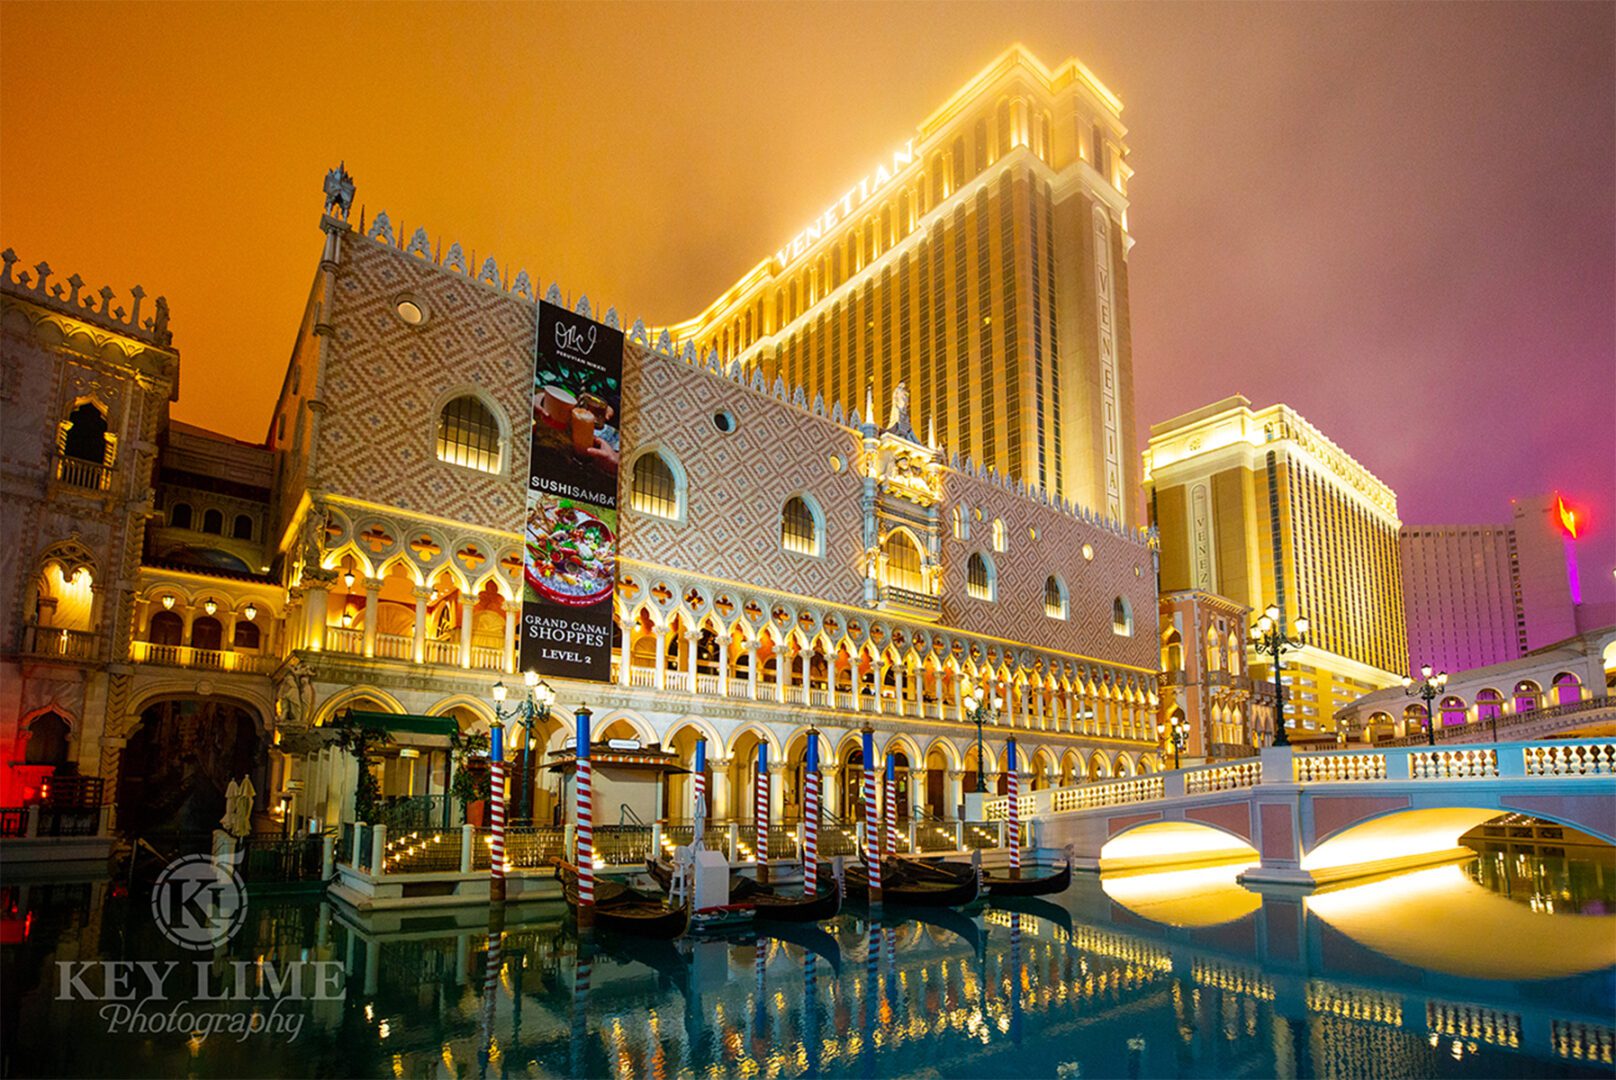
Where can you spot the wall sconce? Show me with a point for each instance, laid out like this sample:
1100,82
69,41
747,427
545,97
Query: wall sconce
348,579
251,611
168,602
209,606
347,619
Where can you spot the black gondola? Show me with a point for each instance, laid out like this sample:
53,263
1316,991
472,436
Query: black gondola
1043,885
621,909
824,904
900,884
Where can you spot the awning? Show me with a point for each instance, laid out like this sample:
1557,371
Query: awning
407,729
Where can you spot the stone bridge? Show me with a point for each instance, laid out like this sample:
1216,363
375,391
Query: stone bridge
1308,819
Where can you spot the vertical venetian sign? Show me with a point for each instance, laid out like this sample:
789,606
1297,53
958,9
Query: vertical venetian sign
570,561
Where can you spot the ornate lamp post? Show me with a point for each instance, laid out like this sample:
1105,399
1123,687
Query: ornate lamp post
979,710
1181,738
1428,686
535,703
1269,638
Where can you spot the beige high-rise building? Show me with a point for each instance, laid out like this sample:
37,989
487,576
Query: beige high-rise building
984,265
1237,492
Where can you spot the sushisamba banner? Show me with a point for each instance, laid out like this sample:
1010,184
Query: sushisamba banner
570,562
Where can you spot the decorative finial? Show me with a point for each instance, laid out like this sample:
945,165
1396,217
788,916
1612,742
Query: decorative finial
339,192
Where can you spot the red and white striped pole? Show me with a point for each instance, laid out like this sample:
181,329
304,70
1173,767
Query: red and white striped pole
810,813
496,812
872,818
891,798
584,812
698,791
1013,832
760,816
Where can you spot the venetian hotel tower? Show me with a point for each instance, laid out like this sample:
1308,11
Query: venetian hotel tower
984,264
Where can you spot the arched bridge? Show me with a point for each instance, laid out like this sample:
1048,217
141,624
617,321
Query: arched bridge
1307,819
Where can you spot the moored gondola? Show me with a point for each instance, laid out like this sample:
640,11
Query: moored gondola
824,904
742,889
1042,885
900,884
620,909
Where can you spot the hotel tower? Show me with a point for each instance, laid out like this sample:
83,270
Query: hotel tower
1258,505
983,263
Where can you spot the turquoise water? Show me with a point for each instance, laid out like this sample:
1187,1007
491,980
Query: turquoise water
1501,967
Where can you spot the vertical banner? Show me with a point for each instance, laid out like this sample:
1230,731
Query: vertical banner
570,534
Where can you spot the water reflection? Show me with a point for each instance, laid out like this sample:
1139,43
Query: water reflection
1114,978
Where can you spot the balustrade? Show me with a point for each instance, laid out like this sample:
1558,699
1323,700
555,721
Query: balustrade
1597,758
66,644
394,647
345,639
147,652
1338,768
488,658
76,472
443,652
1240,774
1452,764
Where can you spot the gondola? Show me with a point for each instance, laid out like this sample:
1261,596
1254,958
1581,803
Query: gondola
823,904
742,889
1043,885
621,909
902,885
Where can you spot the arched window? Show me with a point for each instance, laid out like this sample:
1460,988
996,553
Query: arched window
1214,655
166,628
206,633
799,527
1121,617
47,741
1001,539
962,525
247,636
1234,655
904,570
213,522
656,488
1567,690
179,516
1173,651
1489,705
1452,710
1055,597
468,434
979,583
1527,696
242,527
85,437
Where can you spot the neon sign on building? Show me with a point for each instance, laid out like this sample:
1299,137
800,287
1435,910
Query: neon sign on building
844,207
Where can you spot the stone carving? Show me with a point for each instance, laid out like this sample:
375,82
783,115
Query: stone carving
382,229
900,423
420,244
489,274
664,343
84,306
552,295
612,321
456,259
339,191
638,334
523,286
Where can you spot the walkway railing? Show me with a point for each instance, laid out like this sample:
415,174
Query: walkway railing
1482,730
188,656
1580,757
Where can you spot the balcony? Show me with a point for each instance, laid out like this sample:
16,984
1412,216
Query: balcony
187,656
63,644
89,475
914,605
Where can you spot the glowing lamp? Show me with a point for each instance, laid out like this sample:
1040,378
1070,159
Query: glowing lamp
251,611
499,692
1301,624
1408,681
544,694
1272,613
347,619
168,602
348,579
209,606
530,677
1425,670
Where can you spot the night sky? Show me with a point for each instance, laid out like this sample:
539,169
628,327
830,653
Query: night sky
1401,220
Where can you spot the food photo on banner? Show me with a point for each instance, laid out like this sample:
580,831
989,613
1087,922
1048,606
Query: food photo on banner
570,561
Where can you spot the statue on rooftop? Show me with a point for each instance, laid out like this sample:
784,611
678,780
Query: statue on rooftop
339,191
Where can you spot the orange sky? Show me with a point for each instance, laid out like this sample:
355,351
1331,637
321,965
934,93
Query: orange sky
1345,207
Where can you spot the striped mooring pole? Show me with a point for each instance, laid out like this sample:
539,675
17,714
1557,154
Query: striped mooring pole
584,814
810,813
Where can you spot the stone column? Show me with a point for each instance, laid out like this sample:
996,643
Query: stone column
777,791
723,664
659,673
752,670
718,806
625,654
421,595
512,610
373,588
919,792
691,667
900,688
956,792
468,612
807,657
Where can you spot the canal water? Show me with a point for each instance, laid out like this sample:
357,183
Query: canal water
1501,966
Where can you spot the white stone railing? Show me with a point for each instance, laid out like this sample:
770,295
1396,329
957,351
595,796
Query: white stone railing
488,658
443,652
1591,757
147,652
395,647
1338,767
1229,777
344,639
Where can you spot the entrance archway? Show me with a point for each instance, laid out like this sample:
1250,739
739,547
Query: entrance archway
179,761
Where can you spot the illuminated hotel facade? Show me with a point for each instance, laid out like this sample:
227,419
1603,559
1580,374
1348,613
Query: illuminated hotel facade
1259,506
985,266
786,565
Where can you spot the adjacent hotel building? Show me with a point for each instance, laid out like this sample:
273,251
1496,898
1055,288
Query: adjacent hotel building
1259,506
985,266
803,546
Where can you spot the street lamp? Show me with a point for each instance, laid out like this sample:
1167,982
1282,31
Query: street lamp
1181,738
535,703
1430,684
1268,637
979,709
